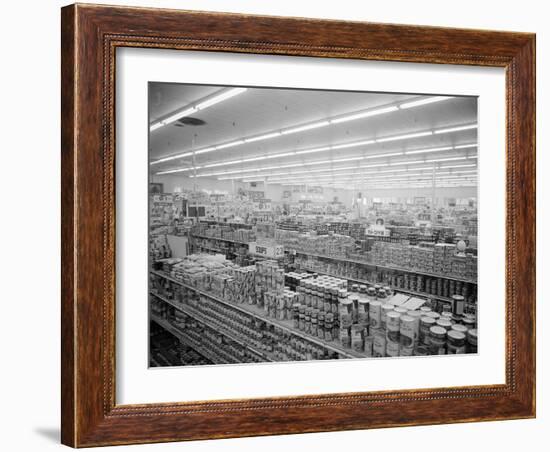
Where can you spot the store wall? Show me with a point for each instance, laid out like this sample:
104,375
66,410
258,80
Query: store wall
440,193
175,182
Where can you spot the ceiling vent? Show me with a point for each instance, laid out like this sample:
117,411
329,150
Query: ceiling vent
189,121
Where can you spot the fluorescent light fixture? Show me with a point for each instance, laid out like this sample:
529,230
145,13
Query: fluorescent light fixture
314,125
456,129
354,144
203,151
423,151
311,151
458,166
425,101
226,94
466,146
172,157
414,162
155,126
253,159
276,156
404,137
266,136
229,145
364,114
348,159
376,156
449,159
179,170
212,165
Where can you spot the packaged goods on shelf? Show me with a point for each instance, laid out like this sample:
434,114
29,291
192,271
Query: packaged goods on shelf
292,279
322,308
268,277
159,247
225,232
332,245
397,279
265,230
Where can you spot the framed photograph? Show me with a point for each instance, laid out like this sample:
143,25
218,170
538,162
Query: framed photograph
281,225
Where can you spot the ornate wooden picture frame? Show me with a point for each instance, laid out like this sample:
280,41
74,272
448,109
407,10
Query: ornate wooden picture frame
90,37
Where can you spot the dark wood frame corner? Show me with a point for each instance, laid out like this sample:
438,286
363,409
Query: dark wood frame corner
90,35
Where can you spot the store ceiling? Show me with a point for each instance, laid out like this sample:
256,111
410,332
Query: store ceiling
302,157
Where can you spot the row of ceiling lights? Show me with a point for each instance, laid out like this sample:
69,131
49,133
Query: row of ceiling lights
337,147
261,177
373,177
396,179
325,162
294,129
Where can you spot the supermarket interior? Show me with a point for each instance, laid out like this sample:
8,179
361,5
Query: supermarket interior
296,225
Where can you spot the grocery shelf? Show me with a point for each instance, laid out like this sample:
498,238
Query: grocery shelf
214,250
397,289
198,236
266,356
383,267
258,313
176,332
155,362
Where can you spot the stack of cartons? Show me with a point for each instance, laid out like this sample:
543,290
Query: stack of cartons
443,253
268,278
240,289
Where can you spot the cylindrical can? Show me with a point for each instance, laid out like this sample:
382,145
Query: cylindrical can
345,338
393,326
471,337
456,342
448,315
329,324
421,350
444,323
357,337
460,328
354,307
363,311
392,348
371,293
400,310
383,313
425,324
345,312
379,344
406,331
433,315
469,323
438,340
458,304
416,316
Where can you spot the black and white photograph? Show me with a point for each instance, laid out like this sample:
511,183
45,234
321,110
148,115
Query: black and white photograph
302,225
